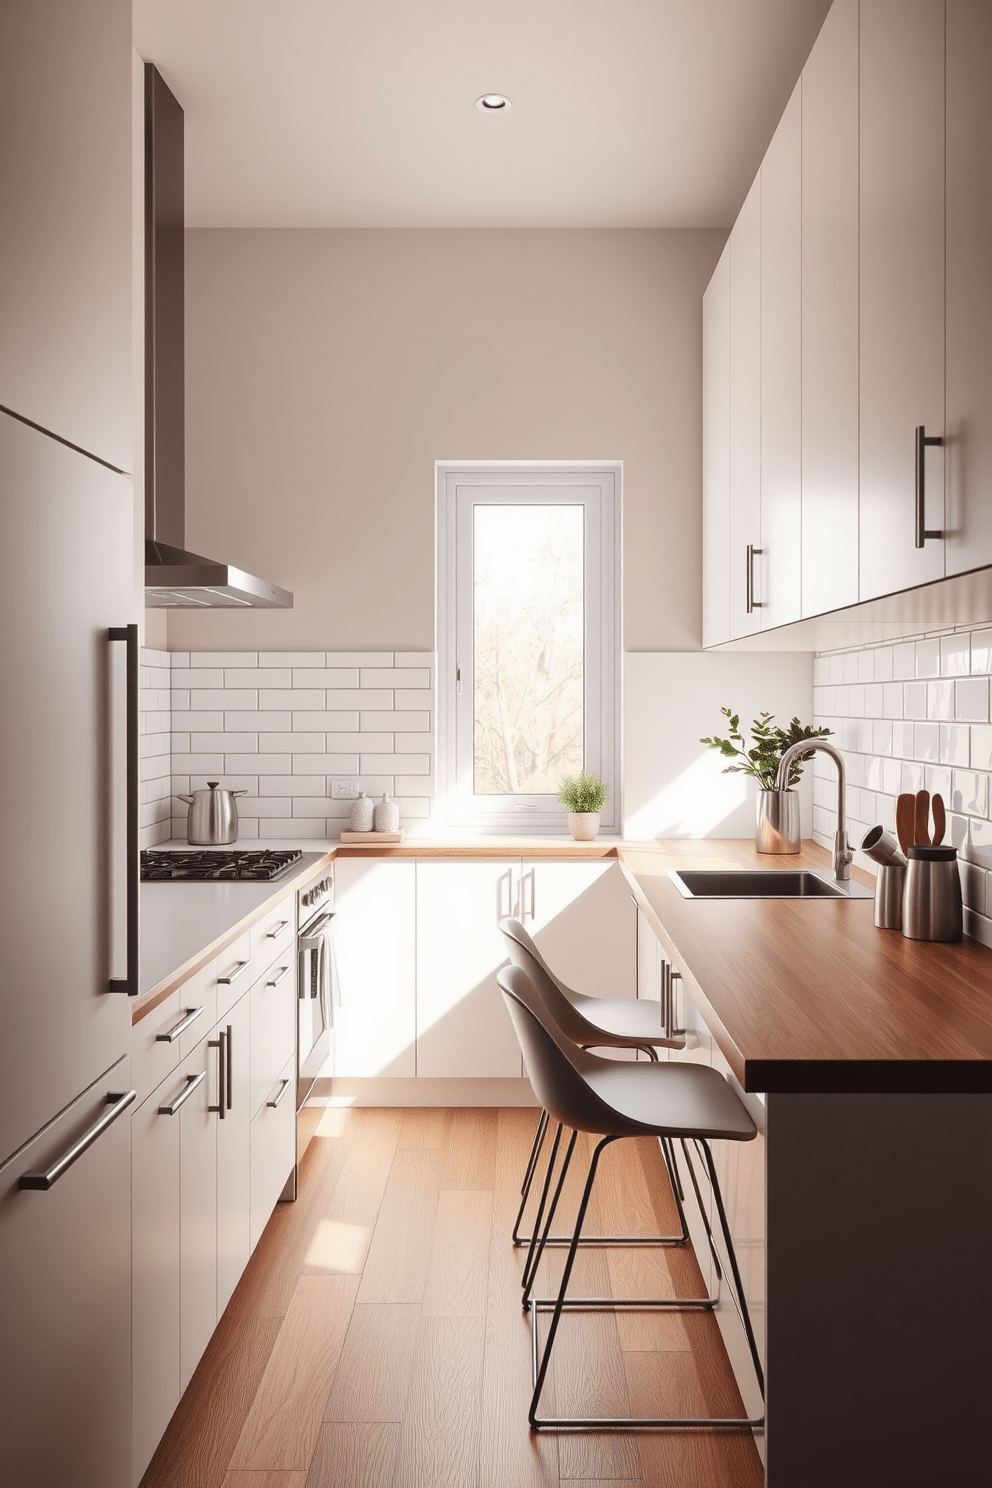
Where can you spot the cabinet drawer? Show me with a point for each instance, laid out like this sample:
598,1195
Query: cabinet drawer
235,972
273,1026
173,1029
273,935
273,1146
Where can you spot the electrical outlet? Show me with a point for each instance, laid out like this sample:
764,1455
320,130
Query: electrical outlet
344,790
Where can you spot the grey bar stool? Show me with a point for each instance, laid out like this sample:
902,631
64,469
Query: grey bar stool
610,1099
593,1023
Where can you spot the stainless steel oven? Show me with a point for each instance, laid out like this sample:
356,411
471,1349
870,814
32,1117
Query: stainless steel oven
318,992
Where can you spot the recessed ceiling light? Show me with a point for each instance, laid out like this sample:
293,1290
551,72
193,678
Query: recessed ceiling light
493,103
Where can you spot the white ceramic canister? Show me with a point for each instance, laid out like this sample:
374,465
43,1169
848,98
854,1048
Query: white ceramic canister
387,815
362,813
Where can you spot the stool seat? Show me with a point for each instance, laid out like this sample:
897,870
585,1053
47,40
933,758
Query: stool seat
664,1100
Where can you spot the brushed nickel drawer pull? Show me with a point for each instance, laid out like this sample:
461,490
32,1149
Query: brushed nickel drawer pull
118,1105
276,931
283,971
241,967
192,1081
284,1087
190,1015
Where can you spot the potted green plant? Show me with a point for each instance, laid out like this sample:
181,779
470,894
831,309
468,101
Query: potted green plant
778,827
583,797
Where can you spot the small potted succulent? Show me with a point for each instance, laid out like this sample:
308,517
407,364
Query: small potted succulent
583,797
778,827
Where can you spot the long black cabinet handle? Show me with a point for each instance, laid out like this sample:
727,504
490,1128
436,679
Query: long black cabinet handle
222,1104
752,603
118,1105
129,982
923,441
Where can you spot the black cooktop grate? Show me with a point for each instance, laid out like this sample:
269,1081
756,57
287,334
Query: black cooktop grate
216,865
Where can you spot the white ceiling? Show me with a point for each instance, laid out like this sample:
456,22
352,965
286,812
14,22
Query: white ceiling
361,113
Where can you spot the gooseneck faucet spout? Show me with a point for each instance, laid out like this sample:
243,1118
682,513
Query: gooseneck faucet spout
842,854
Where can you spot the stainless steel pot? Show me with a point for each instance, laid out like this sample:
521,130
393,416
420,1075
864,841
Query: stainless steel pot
212,819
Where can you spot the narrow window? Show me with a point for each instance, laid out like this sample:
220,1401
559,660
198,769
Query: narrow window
528,641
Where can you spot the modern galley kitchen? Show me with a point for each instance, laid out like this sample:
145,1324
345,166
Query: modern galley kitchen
432,1054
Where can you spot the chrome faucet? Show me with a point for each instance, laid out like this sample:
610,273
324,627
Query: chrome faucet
842,854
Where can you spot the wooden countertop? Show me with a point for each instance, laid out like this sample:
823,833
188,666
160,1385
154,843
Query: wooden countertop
806,995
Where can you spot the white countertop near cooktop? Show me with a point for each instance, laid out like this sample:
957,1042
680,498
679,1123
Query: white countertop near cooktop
179,919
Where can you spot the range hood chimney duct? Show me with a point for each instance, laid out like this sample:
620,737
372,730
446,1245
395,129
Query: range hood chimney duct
174,577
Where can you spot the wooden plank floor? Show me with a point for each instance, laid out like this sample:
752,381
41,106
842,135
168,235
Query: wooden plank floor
376,1338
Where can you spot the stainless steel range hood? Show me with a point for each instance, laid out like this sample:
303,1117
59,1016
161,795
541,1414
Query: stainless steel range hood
174,577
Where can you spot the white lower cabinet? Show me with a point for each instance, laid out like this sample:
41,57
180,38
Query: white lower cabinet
582,917
375,940
463,1029
233,1158
273,1147
198,1122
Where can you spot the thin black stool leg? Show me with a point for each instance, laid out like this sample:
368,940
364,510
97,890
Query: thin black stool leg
534,1259
535,1153
539,1217
540,1371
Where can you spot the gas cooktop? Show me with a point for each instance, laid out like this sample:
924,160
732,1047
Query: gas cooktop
208,865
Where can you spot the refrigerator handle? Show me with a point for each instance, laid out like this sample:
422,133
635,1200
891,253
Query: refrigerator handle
129,982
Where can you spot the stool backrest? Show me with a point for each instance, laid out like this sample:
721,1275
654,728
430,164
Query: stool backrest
556,1067
524,953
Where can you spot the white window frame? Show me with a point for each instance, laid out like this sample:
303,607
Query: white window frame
456,483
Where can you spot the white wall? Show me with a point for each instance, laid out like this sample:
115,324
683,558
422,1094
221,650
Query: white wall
673,784
328,370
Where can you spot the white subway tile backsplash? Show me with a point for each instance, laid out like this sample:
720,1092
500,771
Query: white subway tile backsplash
279,660
324,677
940,699
955,744
928,658
410,720
955,655
981,747
257,677
866,666
971,699
856,700
850,666
395,677
883,664
222,697
981,652
409,764
937,779
279,725
912,777
970,792
893,700
903,661
927,742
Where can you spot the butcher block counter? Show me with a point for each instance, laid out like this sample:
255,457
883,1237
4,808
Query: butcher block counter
805,994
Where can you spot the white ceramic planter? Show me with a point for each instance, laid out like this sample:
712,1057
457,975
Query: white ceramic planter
583,825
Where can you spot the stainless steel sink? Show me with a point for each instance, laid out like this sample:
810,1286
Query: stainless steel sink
773,883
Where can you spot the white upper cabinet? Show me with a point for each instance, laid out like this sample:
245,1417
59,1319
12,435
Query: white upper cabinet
716,455
745,416
830,315
65,222
902,288
780,567
968,502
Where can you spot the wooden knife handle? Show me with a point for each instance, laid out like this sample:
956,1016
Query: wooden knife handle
923,818
906,821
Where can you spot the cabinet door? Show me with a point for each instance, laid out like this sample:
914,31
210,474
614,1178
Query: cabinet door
65,1302
716,455
65,227
969,285
273,1148
233,1157
582,917
781,370
155,1246
745,416
375,930
198,1206
902,287
830,315
463,1028
273,1023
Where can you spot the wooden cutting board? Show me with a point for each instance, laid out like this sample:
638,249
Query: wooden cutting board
372,839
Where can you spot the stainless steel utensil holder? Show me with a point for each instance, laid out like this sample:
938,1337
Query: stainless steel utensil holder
890,885
931,904
777,827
